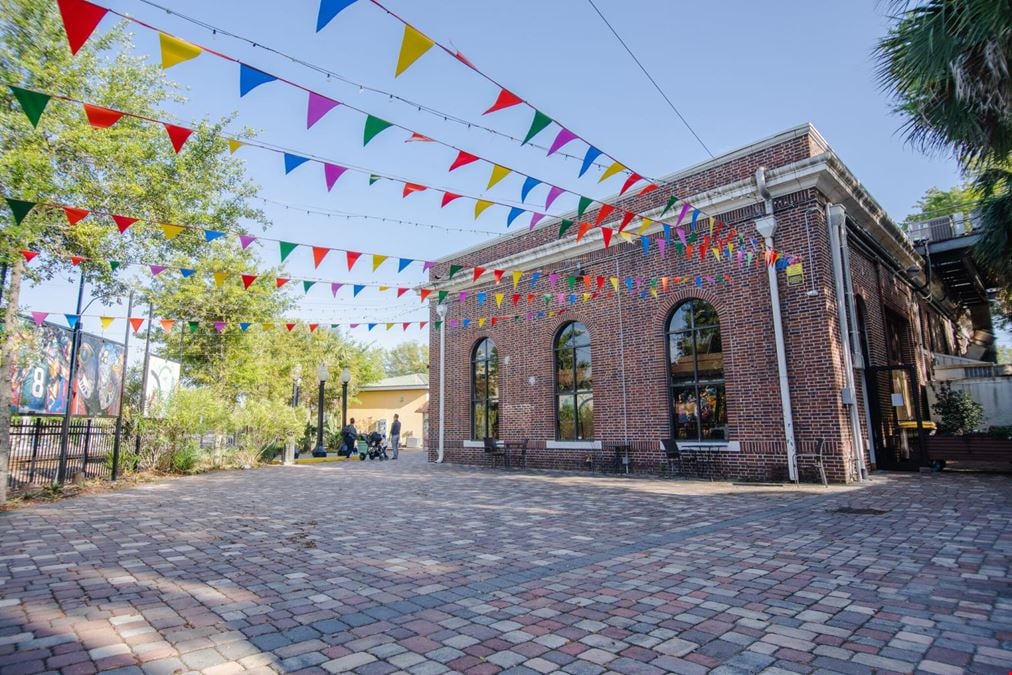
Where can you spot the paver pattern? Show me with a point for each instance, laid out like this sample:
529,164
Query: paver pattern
409,567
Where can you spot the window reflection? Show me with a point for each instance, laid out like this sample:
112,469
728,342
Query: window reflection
696,373
574,411
485,390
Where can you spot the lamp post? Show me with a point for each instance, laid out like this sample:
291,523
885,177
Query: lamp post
291,451
441,313
345,379
320,450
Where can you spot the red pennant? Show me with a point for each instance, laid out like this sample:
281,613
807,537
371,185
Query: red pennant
401,291
505,100
494,319
406,324
625,220
516,299
177,135
629,182
289,326
136,323
530,298
649,188
248,279
425,292
319,253
74,216
412,187
101,118
447,198
29,255
281,281
353,256
123,222
498,275
600,283
478,271
312,327
584,227
76,260
462,159
606,235
79,21
605,211
421,324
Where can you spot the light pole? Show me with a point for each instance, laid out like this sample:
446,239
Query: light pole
345,379
320,450
441,313
291,451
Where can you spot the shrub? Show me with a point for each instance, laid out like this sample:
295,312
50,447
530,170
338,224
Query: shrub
185,459
957,412
262,424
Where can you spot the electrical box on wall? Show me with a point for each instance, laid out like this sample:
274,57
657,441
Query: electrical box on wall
847,396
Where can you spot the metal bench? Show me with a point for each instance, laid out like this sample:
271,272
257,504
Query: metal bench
814,458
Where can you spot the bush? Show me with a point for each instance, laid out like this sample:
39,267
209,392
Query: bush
185,459
1001,433
261,425
957,412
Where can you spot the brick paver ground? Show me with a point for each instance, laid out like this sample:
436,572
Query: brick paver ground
410,567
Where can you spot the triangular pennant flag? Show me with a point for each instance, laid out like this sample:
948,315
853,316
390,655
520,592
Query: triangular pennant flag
403,263
219,326
20,209
106,321
515,298
478,271
289,326
328,10
421,324
412,187
538,125
563,226
498,173
481,322
588,159
373,126
504,100
373,178
453,270
605,211
292,162
248,279
74,216
334,288
498,275
313,327
499,298
234,145
535,217
331,172
306,285
462,159
424,293
481,295
564,136
649,188
171,231
192,325
177,135
167,325
378,260
187,273
280,281
317,107
479,206
251,78
406,324
626,218
606,235
286,249
553,194
514,212
529,184
156,269
447,198
245,240
101,118
671,202
645,242
644,225
33,103
319,253
401,291
175,51
516,277
72,320
219,278
413,46
76,260
630,181
356,289
582,207
353,257
418,138
584,228
244,326
136,323
442,296
370,326
610,171
123,222
211,235
427,265
39,317
79,21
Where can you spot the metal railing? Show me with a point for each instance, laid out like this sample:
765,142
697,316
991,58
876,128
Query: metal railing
943,228
35,450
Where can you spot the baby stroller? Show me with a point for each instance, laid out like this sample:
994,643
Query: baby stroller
376,448
349,444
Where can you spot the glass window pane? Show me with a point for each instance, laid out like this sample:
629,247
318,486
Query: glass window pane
492,370
585,428
564,370
710,361
683,400
682,362
703,315
493,419
681,319
480,381
478,415
567,418
712,412
580,335
584,371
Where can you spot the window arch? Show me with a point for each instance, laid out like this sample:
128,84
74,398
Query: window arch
574,409
696,373
485,390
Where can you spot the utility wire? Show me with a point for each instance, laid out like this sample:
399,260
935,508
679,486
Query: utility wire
649,77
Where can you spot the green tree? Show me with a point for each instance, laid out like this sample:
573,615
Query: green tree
936,203
129,169
406,358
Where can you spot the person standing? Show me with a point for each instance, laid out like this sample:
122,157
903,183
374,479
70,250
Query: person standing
395,435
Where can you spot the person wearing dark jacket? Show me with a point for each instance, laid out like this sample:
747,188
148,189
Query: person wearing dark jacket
395,435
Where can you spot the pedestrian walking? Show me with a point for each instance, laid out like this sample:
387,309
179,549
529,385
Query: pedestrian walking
395,435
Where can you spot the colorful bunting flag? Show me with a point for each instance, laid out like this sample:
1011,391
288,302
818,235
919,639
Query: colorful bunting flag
306,285
187,273
192,325
74,216
514,212
286,249
479,206
250,78
219,326
425,293
99,117
20,209
588,159
245,240
403,263
377,260
280,281
553,194
319,253
234,145
211,235
447,198
605,211
504,100
412,187
175,51
76,260
373,126
33,103
538,125
334,288
498,173
167,325
564,136
563,226
462,159
356,289
413,46
292,162
39,317
136,323
331,173
156,269
123,222
317,107
248,279
106,321
630,181
79,21
610,171
219,278
529,184
353,257
170,232
582,206
328,10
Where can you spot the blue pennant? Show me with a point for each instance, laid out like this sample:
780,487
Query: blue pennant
481,298
588,159
534,278
251,78
187,273
403,264
371,326
529,185
211,235
467,322
356,289
645,242
244,325
328,10
514,212
72,319
293,162
667,233
695,217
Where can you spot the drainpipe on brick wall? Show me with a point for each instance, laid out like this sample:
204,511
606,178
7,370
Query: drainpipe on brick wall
441,313
621,356
836,218
767,227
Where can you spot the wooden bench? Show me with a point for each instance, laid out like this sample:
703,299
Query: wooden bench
944,448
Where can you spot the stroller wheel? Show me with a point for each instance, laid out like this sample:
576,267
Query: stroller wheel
361,457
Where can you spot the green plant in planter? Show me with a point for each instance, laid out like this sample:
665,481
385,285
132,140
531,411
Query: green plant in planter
957,412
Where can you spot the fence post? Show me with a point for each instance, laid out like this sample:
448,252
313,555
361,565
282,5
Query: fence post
87,445
36,438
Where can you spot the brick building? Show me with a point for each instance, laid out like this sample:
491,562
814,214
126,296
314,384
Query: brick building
670,355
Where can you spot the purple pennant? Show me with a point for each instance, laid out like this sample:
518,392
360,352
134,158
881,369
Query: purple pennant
332,172
463,296
534,220
453,323
681,216
354,325
219,326
681,236
661,245
552,278
245,240
156,270
565,136
427,266
334,288
318,107
553,194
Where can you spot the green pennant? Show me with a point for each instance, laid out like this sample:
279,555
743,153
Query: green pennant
538,124
442,296
373,126
571,281
453,270
192,325
373,178
306,285
671,202
653,283
113,265
20,209
563,226
32,102
582,207
547,297
286,249
691,239
438,325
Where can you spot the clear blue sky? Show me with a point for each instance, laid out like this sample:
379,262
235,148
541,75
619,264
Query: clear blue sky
738,71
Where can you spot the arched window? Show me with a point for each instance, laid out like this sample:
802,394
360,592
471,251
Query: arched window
574,411
485,390
696,373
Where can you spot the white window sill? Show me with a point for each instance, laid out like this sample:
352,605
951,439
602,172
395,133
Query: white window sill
727,446
573,445
480,444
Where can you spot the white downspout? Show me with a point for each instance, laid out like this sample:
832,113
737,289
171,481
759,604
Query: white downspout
441,309
836,220
767,227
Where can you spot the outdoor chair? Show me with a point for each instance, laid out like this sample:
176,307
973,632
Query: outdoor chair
814,458
675,457
493,451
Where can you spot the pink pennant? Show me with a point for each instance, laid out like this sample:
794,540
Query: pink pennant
332,172
535,218
565,136
219,326
427,266
318,107
156,270
553,194
39,317
245,240
334,288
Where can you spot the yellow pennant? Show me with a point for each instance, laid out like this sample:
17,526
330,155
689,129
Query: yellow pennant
479,206
413,46
643,228
171,231
481,322
551,313
586,297
106,321
234,145
498,173
268,326
498,299
625,235
389,326
176,51
711,226
377,260
614,283
716,252
384,288
516,278
219,278
653,292
610,171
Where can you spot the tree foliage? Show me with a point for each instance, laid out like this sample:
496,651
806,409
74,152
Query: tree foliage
406,358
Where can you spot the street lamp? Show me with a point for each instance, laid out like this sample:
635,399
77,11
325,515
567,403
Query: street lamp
291,451
441,309
345,379
320,450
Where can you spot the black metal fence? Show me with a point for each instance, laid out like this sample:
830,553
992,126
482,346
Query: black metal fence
35,450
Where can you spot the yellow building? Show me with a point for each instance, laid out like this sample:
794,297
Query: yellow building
407,396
